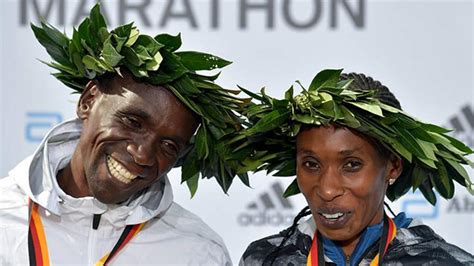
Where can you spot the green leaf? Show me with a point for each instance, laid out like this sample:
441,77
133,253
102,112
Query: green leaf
132,37
292,189
288,169
459,169
97,20
201,143
305,119
459,145
103,34
111,56
186,85
150,44
55,35
349,118
131,56
171,43
325,78
53,49
428,162
201,61
289,94
93,64
76,40
428,148
142,53
136,71
192,184
89,50
443,184
77,60
435,128
83,31
154,65
251,94
418,176
244,177
70,71
389,108
400,149
123,31
427,189
190,166
270,121
120,42
371,108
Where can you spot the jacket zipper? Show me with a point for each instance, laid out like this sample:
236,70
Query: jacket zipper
348,260
93,239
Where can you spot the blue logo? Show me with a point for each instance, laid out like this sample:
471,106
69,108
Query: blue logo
39,123
416,206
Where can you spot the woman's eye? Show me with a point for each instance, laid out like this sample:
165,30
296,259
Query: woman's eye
353,165
311,165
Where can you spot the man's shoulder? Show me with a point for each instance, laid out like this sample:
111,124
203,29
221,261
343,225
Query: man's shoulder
11,195
183,230
188,224
13,204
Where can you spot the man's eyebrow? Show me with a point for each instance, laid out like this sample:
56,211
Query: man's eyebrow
136,112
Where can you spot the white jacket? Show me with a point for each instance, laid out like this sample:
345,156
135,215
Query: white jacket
172,235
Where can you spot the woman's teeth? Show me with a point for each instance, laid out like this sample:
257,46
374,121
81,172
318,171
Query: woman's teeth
332,216
119,171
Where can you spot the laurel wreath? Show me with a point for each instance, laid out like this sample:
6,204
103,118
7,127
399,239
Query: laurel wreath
94,51
432,159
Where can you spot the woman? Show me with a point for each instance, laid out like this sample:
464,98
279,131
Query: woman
350,145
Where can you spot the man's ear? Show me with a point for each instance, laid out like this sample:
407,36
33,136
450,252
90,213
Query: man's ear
395,168
87,99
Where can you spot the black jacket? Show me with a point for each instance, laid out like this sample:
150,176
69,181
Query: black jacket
415,245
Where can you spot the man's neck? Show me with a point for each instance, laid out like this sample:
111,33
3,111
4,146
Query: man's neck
73,185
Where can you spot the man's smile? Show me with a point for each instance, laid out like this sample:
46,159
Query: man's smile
119,171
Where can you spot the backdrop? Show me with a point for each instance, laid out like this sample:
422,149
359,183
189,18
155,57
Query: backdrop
422,50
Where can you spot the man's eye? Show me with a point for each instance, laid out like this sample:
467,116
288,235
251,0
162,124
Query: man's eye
132,122
170,148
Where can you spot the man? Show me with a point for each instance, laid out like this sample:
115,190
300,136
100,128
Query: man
96,192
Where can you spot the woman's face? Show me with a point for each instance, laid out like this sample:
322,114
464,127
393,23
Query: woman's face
344,180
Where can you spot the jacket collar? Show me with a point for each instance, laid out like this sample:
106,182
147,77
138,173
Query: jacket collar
36,175
370,235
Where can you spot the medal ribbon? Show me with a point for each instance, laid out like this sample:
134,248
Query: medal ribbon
316,253
38,248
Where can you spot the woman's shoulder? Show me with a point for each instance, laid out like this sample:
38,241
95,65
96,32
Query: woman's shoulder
420,244
289,247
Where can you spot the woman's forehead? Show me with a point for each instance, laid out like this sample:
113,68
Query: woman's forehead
335,138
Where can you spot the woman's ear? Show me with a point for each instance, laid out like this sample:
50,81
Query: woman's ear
395,168
87,99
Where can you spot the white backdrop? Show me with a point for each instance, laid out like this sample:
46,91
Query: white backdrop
422,50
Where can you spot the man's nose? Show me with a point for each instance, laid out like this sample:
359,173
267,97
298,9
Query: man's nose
329,185
143,152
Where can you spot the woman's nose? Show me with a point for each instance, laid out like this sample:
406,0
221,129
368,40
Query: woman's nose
329,185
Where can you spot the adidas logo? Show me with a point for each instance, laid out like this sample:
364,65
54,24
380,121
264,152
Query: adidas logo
269,209
463,125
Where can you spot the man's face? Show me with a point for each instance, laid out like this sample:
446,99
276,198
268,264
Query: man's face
132,135
344,180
